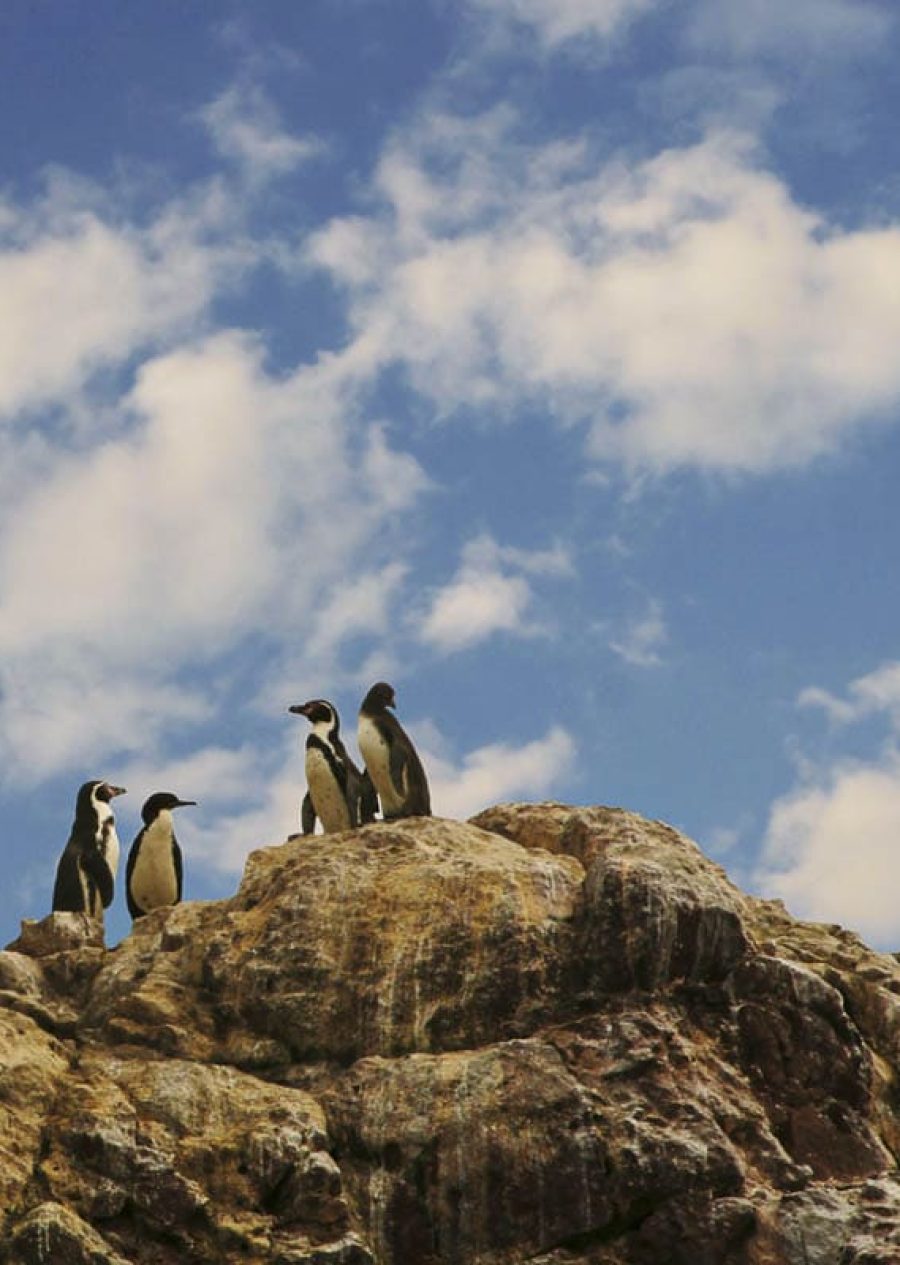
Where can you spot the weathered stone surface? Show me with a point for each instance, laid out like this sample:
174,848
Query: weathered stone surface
31,1066
52,1234
384,940
205,1159
532,1143
653,909
556,1035
58,933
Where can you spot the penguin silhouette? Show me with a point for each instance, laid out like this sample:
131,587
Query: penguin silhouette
86,872
154,871
339,795
391,759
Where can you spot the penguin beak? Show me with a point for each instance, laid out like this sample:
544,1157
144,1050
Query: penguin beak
115,790
183,803
300,709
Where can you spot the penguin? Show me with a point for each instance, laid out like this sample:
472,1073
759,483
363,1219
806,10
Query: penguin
339,795
153,873
86,873
392,761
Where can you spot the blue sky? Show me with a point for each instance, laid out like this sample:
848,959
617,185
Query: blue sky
537,355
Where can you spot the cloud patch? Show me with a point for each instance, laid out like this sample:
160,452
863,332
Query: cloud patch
830,847
556,22
827,29
489,594
641,641
876,692
685,307
497,772
830,850
247,130
208,519
78,294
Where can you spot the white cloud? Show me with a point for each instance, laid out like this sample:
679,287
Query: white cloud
742,28
484,598
85,283
359,605
686,306
153,531
868,695
830,850
496,772
247,130
825,28
558,21
72,710
77,294
643,638
473,606
230,503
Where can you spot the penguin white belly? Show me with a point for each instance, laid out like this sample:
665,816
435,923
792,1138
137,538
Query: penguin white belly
377,755
153,879
108,839
325,792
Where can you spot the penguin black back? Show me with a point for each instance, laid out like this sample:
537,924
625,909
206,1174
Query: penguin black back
391,759
86,873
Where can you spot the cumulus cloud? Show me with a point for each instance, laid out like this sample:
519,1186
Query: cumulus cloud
354,606
496,772
85,283
876,692
247,130
475,605
187,497
686,306
555,22
78,293
488,594
830,848
208,518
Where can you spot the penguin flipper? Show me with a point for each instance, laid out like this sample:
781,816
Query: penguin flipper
398,767
94,864
133,908
368,799
418,799
307,815
178,867
67,892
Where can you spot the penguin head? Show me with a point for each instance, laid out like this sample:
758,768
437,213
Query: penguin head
318,711
380,696
96,792
159,802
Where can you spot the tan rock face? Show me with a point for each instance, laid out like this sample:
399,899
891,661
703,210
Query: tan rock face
652,909
556,1035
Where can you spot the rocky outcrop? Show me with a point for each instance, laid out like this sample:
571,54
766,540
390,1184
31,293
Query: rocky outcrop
553,1034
